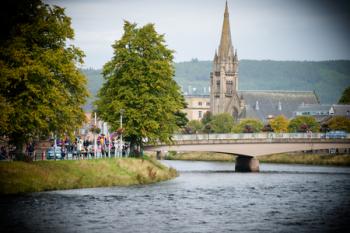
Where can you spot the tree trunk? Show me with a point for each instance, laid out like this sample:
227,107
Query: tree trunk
20,148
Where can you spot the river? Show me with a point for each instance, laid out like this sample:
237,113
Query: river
206,197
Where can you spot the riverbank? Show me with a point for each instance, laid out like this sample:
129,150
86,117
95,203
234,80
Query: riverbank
286,158
21,177
200,156
309,159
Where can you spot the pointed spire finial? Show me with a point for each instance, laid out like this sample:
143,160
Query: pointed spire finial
225,46
226,8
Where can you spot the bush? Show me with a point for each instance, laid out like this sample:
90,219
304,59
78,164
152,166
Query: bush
221,123
193,126
339,123
248,125
303,124
279,124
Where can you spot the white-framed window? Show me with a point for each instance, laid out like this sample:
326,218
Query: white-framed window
200,114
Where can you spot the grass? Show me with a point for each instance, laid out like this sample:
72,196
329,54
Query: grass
311,159
22,177
287,158
201,156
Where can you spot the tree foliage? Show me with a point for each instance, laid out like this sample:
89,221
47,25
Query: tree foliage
248,125
279,124
207,118
345,98
222,123
194,126
339,123
181,119
41,90
139,79
303,124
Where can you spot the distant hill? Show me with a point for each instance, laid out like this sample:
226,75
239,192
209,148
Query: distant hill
327,78
95,80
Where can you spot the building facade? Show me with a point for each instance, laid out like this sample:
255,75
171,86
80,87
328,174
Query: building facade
323,112
197,106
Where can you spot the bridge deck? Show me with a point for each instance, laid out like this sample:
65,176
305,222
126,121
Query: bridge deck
252,149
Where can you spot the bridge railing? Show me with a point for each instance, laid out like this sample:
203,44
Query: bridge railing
249,136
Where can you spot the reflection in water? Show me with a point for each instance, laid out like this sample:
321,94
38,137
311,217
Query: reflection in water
207,197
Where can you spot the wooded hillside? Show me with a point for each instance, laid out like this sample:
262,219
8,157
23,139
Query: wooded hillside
327,78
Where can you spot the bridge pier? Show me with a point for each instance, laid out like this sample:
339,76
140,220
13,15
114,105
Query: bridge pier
160,155
246,164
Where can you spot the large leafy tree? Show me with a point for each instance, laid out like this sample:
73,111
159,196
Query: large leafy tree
345,98
303,124
139,79
41,90
279,124
248,125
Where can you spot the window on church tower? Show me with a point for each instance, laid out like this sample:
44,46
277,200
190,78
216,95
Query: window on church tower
229,87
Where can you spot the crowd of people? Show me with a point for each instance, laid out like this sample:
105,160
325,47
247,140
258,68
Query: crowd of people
85,148
70,149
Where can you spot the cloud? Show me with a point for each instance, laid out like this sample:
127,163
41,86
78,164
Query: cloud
261,29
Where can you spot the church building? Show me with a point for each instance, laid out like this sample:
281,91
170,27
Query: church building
225,96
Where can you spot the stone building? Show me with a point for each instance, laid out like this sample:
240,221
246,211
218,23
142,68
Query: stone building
197,106
323,112
226,97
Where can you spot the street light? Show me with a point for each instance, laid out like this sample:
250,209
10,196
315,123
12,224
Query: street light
121,132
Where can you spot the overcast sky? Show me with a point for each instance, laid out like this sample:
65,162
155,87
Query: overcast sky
261,29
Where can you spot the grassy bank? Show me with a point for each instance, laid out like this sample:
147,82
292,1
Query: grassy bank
287,158
311,159
200,156
21,177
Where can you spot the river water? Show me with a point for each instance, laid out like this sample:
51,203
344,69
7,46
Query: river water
206,197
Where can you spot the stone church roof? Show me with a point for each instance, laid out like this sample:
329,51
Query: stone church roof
264,104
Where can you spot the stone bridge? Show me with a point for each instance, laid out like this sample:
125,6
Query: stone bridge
248,149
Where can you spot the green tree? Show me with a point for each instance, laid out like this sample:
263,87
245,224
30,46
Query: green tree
207,118
181,119
248,125
303,124
222,123
41,90
194,126
339,123
139,79
345,98
279,124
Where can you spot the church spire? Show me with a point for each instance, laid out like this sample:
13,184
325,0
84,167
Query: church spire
225,42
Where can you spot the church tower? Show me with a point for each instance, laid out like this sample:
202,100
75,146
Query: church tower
224,75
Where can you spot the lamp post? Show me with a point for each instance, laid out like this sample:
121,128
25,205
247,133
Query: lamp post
95,139
109,145
121,132
115,147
